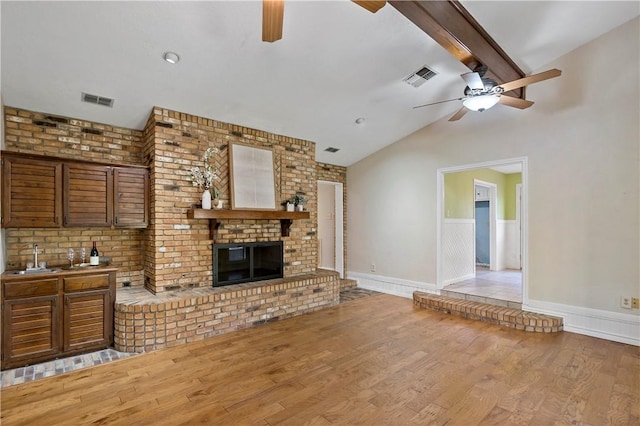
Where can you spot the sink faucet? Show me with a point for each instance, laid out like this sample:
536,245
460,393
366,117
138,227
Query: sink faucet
35,255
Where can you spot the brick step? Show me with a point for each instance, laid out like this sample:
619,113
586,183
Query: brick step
504,316
348,283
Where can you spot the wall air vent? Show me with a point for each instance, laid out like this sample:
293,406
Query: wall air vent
419,77
332,149
98,100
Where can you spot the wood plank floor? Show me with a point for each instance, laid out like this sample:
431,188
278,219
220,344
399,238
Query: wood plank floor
374,361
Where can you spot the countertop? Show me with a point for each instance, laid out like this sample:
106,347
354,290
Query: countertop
56,272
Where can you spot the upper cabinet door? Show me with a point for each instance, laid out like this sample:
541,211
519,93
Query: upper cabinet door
88,195
31,193
131,201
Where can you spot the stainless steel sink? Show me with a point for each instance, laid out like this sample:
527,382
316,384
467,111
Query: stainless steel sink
35,271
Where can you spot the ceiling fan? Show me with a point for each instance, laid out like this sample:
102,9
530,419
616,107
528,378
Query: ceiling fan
483,93
273,16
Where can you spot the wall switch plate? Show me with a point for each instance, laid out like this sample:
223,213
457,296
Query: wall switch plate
635,303
373,267
625,302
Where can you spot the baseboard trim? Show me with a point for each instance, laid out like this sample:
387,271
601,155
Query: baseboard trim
618,327
396,286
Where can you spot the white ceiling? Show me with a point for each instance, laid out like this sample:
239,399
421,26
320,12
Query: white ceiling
335,63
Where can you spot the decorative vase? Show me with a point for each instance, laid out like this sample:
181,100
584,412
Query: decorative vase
300,207
206,199
217,203
290,207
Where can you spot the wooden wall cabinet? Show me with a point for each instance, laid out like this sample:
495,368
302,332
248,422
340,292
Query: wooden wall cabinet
46,317
48,192
31,192
88,191
98,195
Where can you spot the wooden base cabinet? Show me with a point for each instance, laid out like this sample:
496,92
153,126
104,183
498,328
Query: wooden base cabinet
49,317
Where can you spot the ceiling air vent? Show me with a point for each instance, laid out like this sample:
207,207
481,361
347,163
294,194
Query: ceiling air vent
419,77
98,100
332,149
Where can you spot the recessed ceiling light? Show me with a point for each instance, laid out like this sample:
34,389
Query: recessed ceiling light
171,57
360,120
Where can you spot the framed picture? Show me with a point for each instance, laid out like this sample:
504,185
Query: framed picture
252,177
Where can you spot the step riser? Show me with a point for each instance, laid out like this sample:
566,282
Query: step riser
506,317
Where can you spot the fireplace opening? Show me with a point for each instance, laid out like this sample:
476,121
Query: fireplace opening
241,263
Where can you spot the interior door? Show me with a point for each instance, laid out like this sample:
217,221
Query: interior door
483,236
326,226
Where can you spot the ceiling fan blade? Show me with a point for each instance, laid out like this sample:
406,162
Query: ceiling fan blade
473,80
458,115
272,18
439,102
515,102
525,81
372,6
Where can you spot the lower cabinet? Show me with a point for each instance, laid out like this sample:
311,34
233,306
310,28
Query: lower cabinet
47,318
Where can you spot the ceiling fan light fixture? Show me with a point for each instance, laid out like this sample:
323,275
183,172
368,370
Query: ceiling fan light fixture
171,57
481,102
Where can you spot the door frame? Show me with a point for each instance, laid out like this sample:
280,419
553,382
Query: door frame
523,161
493,210
338,223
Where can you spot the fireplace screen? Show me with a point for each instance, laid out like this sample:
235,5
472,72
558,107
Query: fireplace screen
241,263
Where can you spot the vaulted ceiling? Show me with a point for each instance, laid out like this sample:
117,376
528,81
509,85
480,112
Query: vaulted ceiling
335,63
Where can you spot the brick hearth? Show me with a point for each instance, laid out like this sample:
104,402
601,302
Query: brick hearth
506,317
146,322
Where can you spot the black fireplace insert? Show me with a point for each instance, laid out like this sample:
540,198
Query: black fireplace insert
241,263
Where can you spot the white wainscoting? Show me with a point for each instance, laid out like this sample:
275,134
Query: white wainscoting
396,286
511,254
624,328
500,245
458,250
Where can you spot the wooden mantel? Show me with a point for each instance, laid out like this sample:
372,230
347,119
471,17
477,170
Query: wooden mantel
214,216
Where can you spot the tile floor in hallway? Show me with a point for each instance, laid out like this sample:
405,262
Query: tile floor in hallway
498,286
46,369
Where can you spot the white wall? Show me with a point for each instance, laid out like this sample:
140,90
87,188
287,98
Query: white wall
581,139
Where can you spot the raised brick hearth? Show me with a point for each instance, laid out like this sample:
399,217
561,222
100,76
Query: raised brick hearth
507,317
146,322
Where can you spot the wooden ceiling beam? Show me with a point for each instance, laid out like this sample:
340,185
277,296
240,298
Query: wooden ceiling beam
453,27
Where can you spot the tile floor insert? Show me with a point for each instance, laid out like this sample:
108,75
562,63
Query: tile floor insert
502,288
63,365
59,366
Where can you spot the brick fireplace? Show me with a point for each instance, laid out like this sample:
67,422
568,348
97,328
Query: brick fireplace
178,251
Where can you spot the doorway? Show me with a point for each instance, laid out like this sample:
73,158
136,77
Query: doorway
483,233
331,226
457,253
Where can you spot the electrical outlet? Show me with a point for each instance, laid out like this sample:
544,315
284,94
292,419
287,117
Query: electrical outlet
625,302
635,303
373,267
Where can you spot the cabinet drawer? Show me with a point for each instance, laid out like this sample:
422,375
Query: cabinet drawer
86,283
21,289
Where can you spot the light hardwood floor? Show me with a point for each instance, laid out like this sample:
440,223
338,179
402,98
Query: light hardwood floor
374,361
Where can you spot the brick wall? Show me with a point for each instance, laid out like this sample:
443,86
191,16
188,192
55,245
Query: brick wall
179,251
173,252
333,173
48,134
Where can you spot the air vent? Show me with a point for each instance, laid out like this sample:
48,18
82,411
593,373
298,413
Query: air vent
98,100
419,77
332,149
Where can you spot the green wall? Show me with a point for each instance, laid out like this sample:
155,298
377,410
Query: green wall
511,180
459,193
